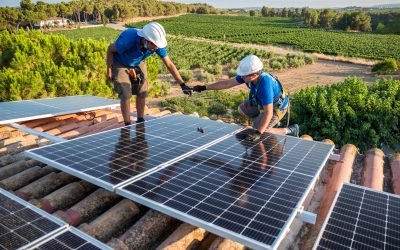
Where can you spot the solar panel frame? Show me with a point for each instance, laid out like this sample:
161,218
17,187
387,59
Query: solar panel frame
76,232
54,110
62,225
217,229
31,153
333,206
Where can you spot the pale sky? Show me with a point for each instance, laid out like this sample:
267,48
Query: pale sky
258,3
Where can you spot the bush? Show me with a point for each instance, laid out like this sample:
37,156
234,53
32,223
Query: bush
217,108
159,89
366,115
386,67
275,65
187,75
214,69
206,77
308,59
232,72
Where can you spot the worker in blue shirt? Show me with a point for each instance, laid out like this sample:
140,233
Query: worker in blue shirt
126,65
267,102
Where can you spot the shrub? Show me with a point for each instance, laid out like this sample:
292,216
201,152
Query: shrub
214,69
232,72
275,65
386,67
206,77
364,114
159,89
187,75
217,108
309,59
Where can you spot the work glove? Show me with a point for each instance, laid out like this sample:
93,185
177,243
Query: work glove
253,136
186,90
199,88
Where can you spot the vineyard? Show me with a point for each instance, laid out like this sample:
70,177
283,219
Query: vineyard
189,54
283,31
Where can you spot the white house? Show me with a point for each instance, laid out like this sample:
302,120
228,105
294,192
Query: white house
52,22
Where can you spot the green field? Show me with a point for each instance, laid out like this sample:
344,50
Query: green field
283,31
184,53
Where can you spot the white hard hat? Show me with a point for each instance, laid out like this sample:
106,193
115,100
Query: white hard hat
155,33
249,65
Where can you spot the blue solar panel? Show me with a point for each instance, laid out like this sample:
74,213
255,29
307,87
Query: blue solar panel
71,239
362,218
22,224
34,109
200,171
113,157
246,191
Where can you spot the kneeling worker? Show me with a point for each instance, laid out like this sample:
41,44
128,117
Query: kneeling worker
267,102
126,65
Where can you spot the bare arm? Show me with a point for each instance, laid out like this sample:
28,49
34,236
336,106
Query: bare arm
172,69
109,60
225,84
268,109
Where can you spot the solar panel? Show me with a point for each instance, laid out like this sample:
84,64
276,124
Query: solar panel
247,191
362,218
34,109
71,239
110,158
22,224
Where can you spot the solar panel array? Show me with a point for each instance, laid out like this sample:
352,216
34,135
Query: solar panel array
243,190
113,157
25,226
362,218
34,109
200,171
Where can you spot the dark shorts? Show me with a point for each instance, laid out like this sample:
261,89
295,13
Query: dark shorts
252,111
122,84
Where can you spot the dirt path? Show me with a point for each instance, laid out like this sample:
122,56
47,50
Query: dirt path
327,70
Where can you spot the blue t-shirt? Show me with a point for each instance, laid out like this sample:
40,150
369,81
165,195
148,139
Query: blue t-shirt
266,91
129,52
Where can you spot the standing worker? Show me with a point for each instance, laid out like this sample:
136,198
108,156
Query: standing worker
126,65
267,103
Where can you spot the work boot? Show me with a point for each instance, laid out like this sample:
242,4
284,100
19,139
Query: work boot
294,130
140,119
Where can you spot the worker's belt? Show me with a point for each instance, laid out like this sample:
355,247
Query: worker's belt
136,78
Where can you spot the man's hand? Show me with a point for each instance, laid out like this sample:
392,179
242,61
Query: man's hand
199,88
253,136
185,89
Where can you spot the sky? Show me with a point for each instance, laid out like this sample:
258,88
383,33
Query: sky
258,3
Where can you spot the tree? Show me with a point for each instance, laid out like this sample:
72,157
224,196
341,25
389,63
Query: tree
284,12
265,11
26,5
361,21
252,12
326,18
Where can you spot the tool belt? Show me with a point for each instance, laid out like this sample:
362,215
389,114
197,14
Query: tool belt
136,78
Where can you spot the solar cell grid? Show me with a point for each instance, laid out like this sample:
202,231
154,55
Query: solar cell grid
22,224
284,152
111,158
71,239
362,218
243,195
